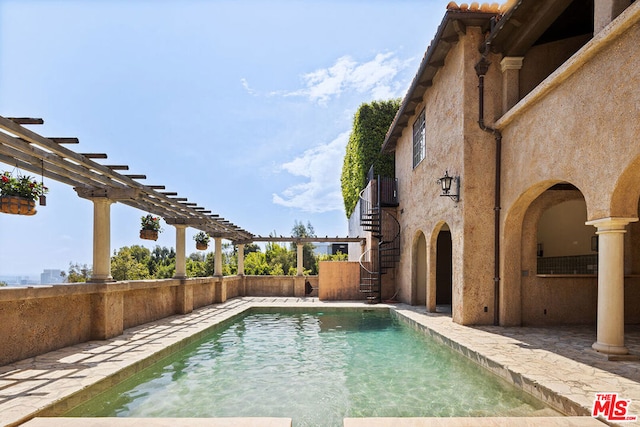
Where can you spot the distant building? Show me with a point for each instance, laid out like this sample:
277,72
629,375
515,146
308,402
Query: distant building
321,248
343,248
48,277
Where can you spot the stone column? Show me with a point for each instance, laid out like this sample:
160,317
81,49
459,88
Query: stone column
605,11
300,260
241,259
610,328
101,240
510,67
218,257
181,262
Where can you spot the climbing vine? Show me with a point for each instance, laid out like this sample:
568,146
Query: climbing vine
370,125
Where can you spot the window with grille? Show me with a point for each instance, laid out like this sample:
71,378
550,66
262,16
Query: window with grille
418,140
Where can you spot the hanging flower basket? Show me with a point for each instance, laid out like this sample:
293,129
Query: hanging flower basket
149,234
18,194
150,227
17,205
202,240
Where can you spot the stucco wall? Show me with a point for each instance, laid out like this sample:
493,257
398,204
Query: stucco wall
265,286
147,304
40,319
578,126
339,281
356,230
456,144
581,127
542,60
37,320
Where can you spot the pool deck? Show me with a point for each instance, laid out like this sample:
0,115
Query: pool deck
555,364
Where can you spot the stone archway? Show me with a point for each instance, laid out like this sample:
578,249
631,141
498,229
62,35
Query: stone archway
440,268
419,271
444,267
519,245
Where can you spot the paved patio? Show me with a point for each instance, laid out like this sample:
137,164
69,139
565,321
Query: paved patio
554,364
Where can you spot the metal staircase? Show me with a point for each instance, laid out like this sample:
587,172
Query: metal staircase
375,216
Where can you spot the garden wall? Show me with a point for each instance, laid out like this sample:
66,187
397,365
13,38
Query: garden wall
339,281
36,320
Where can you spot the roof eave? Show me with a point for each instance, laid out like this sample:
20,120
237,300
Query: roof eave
453,24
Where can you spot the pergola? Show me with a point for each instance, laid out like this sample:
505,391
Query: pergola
104,185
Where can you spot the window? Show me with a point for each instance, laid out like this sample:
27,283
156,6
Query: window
418,140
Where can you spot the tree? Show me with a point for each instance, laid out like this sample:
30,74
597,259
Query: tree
78,273
160,259
309,261
3,284
195,268
209,267
251,247
279,259
370,125
256,264
129,263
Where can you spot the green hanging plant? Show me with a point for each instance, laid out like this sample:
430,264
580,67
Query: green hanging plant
202,238
21,186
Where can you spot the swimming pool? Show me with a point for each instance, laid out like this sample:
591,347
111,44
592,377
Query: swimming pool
317,368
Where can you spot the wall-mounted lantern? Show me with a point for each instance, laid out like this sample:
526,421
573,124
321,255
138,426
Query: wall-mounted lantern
446,182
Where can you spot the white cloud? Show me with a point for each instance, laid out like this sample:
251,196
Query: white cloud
322,166
375,78
245,85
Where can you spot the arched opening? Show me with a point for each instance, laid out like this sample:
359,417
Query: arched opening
419,285
565,244
559,259
444,269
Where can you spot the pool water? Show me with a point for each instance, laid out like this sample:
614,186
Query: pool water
316,368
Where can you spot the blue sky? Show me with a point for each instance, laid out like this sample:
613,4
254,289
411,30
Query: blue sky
244,107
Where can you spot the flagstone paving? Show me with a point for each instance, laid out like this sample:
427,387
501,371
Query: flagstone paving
556,365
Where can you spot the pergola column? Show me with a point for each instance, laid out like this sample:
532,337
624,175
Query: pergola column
510,67
610,327
181,262
300,259
241,259
101,240
218,257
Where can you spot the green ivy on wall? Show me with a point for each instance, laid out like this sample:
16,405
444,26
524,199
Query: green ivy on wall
370,125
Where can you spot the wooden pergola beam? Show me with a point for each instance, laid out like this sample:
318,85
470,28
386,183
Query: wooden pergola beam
65,140
30,151
94,155
293,239
26,120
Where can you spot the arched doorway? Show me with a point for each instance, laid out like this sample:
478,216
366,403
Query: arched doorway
419,285
444,269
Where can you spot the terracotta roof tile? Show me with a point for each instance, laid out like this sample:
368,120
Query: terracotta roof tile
482,7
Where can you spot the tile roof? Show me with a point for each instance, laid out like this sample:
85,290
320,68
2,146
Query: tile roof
481,7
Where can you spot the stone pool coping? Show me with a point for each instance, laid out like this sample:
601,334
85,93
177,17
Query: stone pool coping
53,383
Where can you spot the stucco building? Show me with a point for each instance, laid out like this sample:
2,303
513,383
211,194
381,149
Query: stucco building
533,109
